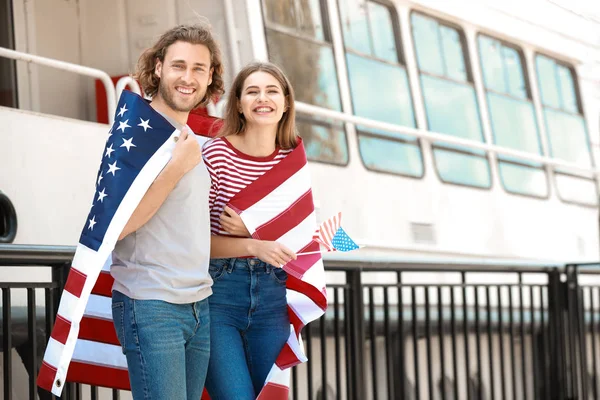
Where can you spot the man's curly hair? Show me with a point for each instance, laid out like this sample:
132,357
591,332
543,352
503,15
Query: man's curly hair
194,34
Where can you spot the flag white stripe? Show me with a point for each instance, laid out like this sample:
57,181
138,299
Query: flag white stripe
68,305
99,307
296,238
277,201
303,306
91,352
53,352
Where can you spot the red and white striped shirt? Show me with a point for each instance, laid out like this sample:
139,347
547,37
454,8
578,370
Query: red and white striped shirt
231,171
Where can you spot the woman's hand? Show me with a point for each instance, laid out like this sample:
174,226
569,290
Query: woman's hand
273,253
232,223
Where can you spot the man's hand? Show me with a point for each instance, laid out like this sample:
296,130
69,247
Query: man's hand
187,153
273,253
232,223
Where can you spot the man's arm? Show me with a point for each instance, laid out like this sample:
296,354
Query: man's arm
186,155
271,252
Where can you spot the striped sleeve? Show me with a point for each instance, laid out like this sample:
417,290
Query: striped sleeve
230,172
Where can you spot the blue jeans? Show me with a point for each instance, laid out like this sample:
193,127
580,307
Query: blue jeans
249,326
167,346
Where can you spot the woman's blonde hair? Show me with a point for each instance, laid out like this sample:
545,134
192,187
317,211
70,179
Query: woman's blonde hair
235,122
194,34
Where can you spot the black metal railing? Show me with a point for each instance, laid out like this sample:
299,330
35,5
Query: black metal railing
442,331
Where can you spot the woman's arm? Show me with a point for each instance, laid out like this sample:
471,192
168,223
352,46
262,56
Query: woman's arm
273,253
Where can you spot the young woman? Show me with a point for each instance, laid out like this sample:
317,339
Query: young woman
248,308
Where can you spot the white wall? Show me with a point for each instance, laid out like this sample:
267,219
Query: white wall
49,165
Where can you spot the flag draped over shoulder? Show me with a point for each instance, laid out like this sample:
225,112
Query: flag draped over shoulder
279,206
83,346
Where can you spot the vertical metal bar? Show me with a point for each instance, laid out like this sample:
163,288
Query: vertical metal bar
415,344
309,369
478,343
580,304
534,352
572,328
522,336
373,335
401,362
323,339
388,345
454,350
545,393
357,323
337,339
295,383
490,342
466,333
93,393
594,337
557,341
349,352
428,343
511,327
31,332
501,341
7,342
116,394
441,339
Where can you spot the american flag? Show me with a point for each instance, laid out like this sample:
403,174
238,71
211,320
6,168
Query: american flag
83,346
332,236
279,206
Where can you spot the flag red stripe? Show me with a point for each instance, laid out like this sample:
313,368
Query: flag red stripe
270,181
308,290
286,358
98,375
273,391
46,376
303,263
292,216
295,321
60,333
75,282
103,286
98,330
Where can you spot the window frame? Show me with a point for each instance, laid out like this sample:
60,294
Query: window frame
581,108
529,98
463,42
308,120
327,42
528,196
524,69
576,87
466,54
395,28
577,203
328,39
401,63
417,143
438,146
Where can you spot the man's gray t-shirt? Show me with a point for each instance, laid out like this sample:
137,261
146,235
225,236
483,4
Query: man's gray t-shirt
167,258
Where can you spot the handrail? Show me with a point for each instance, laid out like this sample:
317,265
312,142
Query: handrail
309,109
27,254
78,69
125,81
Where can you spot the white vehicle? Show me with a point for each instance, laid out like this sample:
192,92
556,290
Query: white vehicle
444,130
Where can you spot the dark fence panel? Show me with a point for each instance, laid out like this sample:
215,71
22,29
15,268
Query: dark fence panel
394,331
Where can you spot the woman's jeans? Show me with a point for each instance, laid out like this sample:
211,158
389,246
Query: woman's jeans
167,346
249,326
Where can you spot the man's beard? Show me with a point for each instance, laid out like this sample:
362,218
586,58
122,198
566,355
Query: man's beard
168,97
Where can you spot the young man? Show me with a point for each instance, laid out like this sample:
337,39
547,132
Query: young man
160,263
